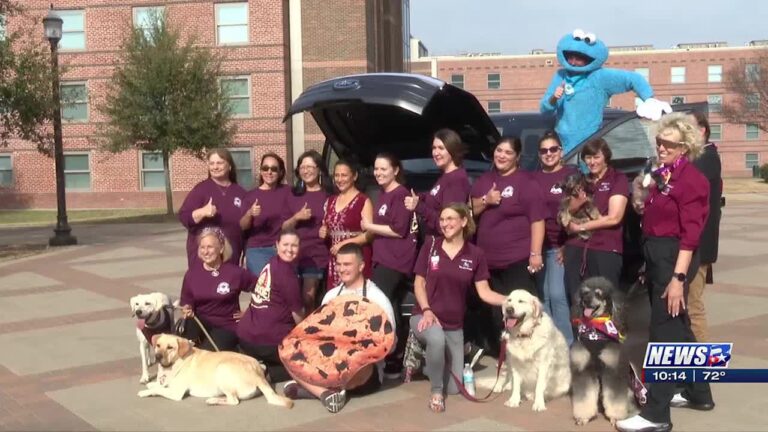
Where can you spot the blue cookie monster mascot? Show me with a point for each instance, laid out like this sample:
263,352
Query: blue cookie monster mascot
580,90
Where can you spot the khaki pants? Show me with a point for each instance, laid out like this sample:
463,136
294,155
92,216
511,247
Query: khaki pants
696,310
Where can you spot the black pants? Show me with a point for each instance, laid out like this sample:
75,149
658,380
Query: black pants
598,263
225,340
267,354
483,324
660,258
392,284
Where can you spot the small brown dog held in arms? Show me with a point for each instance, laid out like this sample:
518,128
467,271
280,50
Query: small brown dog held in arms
224,378
577,205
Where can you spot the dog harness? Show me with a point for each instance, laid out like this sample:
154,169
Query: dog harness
597,329
163,324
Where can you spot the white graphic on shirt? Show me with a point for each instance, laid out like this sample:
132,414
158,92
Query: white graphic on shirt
556,190
238,202
507,192
466,264
434,262
604,187
223,288
383,210
435,190
263,290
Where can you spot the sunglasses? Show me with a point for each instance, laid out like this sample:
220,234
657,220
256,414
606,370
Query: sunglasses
668,144
553,150
274,169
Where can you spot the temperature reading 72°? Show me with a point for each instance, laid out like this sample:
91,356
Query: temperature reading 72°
712,375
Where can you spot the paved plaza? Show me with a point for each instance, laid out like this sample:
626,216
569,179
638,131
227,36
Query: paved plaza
69,356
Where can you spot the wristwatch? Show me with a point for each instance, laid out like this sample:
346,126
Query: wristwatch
681,277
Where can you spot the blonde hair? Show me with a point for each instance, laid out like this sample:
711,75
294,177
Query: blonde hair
218,234
688,129
465,213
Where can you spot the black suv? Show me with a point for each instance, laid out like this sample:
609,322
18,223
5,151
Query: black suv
362,115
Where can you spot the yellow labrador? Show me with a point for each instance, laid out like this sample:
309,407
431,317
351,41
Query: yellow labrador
224,378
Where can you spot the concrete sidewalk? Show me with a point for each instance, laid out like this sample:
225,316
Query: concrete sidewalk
69,357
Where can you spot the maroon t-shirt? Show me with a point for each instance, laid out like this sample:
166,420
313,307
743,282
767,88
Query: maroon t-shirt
266,227
449,280
605,239
680,209
277,294
215,299
504,231
313,251
451,187
230,204
394,253
549,183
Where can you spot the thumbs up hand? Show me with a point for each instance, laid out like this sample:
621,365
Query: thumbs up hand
209,210
411,201
304,214
559,91
493,196
256,209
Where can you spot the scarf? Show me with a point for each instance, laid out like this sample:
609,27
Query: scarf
663,174
598,328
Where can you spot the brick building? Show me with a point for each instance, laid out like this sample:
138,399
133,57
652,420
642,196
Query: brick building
687,73
273,50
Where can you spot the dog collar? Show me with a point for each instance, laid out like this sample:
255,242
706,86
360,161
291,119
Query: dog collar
598,328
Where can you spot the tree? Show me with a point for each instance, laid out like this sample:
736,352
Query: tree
165,97
747,80
25,80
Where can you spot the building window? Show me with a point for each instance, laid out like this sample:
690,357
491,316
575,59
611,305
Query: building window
237,91
677,74
752,101
752,72
715,132
715,103
244,165
73,30
751,160
494,107
645,73
77,171
2,27
152,171
753,132
145,18
715,73
74,102
494,81
231,23
676,100
457,80
6,171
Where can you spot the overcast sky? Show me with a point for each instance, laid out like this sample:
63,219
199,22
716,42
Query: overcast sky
449,27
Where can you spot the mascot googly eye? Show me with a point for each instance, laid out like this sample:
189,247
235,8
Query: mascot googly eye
579,34
590,38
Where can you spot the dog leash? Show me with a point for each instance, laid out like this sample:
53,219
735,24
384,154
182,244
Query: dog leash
486,398
205,332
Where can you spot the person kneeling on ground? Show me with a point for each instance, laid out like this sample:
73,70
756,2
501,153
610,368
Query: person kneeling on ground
349,264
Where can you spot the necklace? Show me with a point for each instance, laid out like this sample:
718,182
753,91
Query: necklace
214,271
222,188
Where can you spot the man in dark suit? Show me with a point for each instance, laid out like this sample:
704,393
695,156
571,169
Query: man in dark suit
709,165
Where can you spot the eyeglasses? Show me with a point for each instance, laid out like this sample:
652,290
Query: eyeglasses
545,150
668,144
272,168
308,167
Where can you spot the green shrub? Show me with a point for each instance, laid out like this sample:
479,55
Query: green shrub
764,172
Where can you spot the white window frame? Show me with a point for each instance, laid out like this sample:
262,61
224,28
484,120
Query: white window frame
10,170
455,82
674,100
148,9
494,110
748,164
675,77
89,171
715,73
756,131
249,96
233,151
72,12
716,135
644,72
219,6
711,104
492,83
143,170
87,105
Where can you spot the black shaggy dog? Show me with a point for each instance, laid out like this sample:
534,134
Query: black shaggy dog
597,366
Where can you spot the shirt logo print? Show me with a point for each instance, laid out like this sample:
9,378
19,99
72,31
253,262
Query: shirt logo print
383,210
556,190
466,264
507,192
223,288
262,292
604,187
237,202
435,190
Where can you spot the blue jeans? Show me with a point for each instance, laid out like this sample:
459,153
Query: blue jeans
257,258
551,285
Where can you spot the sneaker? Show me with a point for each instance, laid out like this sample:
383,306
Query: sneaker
292,390
334,401
393,370
472,354
639,424
679,401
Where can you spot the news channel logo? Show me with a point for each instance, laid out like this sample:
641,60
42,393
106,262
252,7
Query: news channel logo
687,355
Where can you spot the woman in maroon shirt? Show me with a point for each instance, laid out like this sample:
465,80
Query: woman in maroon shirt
211,292
674,214
216,201
264,210
601,254
304,212
446,269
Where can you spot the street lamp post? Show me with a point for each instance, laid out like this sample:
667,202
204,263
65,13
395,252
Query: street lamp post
62,233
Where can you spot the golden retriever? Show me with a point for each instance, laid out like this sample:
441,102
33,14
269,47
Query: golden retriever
537,354
224,378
